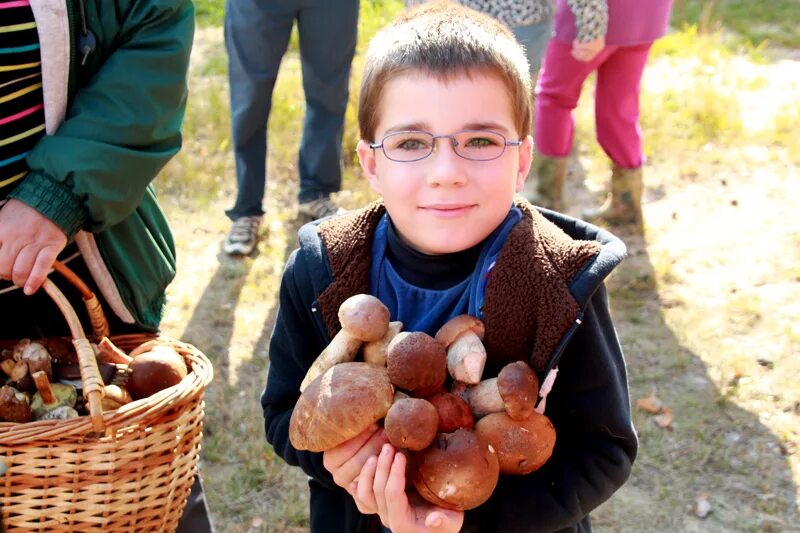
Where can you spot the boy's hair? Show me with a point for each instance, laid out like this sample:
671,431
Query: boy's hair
444,40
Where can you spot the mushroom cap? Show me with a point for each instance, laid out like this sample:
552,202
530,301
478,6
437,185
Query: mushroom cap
14,405
364,317
519,389
338,405
458,471
416,362
454,327
155,370
453,411
522,446
411,423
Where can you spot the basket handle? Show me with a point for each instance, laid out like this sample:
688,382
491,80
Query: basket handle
93,385
96,316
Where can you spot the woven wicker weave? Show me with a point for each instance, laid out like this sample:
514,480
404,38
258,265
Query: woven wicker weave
135,475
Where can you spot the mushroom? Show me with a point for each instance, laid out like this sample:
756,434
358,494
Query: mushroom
155,370
37,358
466,355
453,412
109,353
411,423
50,395
364,318
522,446
375,351
340,404
416,363
515,390
62,412
14,405
115,397
458,471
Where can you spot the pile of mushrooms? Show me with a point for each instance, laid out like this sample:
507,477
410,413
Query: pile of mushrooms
460,431
43,381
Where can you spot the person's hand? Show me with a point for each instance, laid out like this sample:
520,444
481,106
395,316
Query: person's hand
382,483
29,244
346,461
587,51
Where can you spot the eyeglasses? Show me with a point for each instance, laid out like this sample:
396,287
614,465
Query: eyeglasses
475,145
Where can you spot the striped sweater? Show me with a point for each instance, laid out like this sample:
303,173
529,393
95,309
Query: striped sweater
21,99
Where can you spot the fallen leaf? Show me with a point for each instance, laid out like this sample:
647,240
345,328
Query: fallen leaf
701,505
651,404
665,418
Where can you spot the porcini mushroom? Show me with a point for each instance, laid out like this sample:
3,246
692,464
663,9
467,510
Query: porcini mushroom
416,363
466,355
514,390
115,397
340,404
522,446
411,423
374,352
364,318
458,471
14,405
155,370
453,412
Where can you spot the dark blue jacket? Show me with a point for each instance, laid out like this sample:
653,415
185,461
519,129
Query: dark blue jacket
546,303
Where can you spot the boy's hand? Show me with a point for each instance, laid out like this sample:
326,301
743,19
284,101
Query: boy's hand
29,244
382,484
346,461
587,51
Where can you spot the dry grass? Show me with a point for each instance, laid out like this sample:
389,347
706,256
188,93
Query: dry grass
706,304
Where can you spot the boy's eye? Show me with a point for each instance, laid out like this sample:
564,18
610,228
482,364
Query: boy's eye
410,143
482,141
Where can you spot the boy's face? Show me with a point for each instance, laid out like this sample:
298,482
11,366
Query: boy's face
445,203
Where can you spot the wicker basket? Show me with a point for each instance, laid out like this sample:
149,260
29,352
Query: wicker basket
124,470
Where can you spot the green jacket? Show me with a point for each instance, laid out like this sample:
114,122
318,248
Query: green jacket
113,120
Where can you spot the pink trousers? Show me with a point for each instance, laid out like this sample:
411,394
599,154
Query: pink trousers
619,75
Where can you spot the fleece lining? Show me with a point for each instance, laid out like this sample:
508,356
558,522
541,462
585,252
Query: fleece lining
528,305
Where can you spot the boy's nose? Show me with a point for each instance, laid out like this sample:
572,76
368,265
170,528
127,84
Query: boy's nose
445,166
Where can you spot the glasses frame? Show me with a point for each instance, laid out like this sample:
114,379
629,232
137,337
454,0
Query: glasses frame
453,142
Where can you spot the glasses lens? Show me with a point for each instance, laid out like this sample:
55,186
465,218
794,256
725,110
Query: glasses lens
480,145
408,145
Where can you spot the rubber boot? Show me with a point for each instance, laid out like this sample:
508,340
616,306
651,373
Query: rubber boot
545,183
624,205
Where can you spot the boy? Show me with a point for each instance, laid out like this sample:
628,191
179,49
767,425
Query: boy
445,123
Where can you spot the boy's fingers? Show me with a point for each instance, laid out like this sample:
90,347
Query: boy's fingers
337,456
364,496
382,476
351,467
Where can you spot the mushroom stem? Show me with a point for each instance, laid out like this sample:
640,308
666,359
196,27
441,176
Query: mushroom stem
7,366
342,349
111,354
44,388
484,398
466,358
375,351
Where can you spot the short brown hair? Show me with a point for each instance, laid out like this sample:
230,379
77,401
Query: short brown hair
444,40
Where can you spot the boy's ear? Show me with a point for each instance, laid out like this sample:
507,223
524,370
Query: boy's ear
525,159
366,156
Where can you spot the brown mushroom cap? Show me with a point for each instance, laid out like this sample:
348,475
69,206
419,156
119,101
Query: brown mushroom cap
519,389
453,412
416,362
522,446
155,370
458,471
411,423
338,405
458,325
364,317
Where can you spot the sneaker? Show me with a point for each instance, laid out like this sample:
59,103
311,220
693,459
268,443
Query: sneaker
319,208
243,236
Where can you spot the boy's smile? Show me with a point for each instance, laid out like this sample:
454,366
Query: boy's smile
445,203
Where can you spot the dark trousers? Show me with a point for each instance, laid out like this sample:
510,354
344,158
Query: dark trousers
256,37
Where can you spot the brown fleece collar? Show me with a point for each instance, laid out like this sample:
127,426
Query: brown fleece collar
527,307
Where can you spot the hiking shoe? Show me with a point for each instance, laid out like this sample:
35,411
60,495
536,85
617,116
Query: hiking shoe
243,236
319,208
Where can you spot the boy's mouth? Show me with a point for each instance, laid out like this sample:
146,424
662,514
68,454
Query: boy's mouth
448,209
